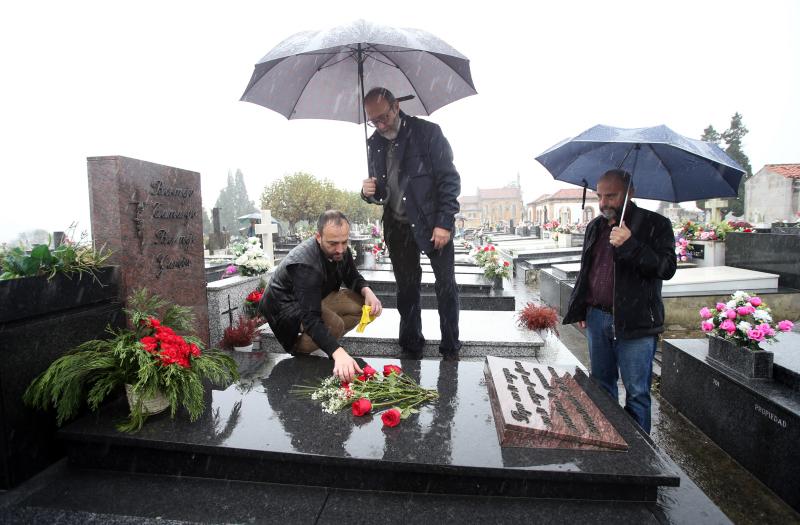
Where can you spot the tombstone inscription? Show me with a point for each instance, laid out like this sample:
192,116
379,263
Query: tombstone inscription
150,217
544,407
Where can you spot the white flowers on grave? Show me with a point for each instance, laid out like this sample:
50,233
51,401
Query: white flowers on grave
250,257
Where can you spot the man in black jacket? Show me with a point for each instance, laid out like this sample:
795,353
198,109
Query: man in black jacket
617,296
411,173
305,304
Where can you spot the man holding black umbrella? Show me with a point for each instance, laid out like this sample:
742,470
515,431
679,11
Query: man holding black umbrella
411,173
617,296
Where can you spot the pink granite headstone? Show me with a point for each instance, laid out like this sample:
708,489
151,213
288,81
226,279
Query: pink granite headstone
150,217
539,406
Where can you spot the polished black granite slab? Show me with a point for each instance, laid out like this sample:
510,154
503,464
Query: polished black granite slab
384,281
77,496
766,252
756,421
257,430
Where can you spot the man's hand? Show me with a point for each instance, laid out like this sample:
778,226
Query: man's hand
368,187
440,238
582,324
344,366
619,234
371,300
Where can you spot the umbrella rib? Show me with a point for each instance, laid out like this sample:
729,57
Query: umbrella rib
300,92
671,179
425,107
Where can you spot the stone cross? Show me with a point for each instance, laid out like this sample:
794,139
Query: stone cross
266,229
230,311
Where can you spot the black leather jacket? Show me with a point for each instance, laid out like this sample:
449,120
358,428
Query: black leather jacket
427,174
640,265
286,303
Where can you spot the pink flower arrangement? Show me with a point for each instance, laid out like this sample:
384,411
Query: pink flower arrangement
744,319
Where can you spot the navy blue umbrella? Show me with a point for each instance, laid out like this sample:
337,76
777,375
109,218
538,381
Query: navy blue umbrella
666,166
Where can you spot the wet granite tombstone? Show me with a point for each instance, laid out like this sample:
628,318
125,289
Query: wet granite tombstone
150,216
756,421
766,252
450,447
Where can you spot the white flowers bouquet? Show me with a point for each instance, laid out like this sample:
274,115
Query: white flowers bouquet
250,257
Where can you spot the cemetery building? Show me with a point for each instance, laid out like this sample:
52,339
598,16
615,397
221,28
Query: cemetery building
493,206
564,206
773,194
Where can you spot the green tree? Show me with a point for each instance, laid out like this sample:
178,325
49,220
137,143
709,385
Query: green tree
302,197
711,135
234,202
297,197
733,139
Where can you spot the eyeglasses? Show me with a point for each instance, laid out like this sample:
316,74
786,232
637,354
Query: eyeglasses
380,119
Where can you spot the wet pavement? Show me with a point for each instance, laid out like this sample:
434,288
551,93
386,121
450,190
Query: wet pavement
737,493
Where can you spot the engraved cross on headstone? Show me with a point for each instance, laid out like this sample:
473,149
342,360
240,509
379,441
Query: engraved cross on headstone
229,311
266,229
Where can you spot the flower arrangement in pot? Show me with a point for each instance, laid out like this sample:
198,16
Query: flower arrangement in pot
158,367
250,257
744,319
736,328
252,301
537,317
241,335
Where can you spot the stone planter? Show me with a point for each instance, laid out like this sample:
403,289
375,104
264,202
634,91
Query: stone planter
565,240
707,253
245,348
40,321
747,363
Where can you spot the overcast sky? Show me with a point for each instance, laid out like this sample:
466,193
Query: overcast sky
161,81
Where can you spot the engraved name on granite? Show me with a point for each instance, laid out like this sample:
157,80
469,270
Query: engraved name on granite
539,406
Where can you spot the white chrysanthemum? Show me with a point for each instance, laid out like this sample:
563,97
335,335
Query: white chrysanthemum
731,304
744,326
762,315
740,296
722,316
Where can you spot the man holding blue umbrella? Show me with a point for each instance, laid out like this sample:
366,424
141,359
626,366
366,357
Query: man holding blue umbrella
617,296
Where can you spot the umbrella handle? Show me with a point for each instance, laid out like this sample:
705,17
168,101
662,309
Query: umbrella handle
360,60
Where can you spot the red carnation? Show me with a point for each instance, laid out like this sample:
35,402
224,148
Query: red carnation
254,297
369,371
361,406
388,369
491,247
505,263
391,418
150,343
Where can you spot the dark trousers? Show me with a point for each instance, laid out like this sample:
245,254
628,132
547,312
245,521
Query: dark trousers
404,254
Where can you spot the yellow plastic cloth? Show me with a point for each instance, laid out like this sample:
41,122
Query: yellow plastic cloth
366,318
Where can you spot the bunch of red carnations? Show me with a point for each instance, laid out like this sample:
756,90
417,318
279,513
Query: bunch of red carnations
370,391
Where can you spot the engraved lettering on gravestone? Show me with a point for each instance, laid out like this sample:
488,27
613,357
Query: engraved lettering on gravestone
163,238
769,415
521,413
545,416
563,413
509,376
527,381
535,396
165,262
159,189
542,379
171,213
518,368
716,382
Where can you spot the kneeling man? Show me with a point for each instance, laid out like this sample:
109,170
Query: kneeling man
305,304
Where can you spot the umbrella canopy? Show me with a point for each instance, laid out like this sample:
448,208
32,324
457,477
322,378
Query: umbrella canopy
665,166
323,74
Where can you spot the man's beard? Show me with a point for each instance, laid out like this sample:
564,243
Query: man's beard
611,213
391,131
